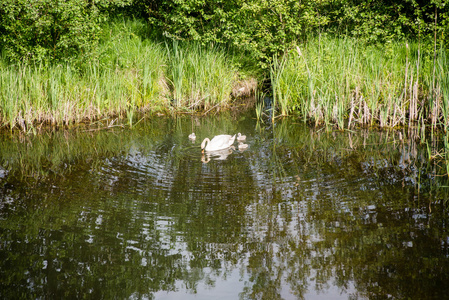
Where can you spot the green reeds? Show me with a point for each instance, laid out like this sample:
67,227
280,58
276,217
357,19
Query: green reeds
341,82
281,93
442,88
61,94
199,77
127,76
259,106
130,73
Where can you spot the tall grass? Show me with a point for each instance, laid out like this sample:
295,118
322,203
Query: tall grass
281,93
198,76
131,73
337,81
126,76
341,83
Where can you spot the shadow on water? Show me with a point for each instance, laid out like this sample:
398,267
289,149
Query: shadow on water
300,213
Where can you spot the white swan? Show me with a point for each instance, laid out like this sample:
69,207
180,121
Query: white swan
240,137
192,136
219,142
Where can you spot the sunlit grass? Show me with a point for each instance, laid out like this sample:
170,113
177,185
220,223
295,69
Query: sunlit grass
198,76
342,83
127,76
130,73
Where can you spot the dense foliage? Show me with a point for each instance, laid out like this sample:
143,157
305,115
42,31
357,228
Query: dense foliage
262,27
37,29
49,29
267,28
382,21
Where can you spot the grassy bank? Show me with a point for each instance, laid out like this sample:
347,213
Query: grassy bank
333,81
131,73
342,82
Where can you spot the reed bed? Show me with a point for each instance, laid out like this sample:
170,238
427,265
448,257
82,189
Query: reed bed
339,82
127,76
131,73
199,77
342,83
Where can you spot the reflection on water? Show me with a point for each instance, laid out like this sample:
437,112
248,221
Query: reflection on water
301,213
217,155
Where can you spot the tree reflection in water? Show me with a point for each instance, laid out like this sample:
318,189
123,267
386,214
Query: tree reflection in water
131,214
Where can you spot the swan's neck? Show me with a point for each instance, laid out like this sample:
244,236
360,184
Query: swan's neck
205,141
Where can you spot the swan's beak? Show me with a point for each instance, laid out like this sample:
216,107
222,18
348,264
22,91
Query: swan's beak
202,150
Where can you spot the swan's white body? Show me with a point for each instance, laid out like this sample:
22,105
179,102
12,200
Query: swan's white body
240,137
219,142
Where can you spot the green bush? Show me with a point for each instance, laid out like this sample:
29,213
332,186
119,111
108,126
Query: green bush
36,30
268,28
56,29
379,21
263,27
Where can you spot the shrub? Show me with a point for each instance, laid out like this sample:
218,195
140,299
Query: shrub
36,30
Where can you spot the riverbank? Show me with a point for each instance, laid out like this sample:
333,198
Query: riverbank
337,82
130,74
342,83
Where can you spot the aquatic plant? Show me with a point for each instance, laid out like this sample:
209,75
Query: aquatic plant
129,74
127,77
280,92
199,77
341,82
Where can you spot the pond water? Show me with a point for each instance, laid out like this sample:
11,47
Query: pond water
302,213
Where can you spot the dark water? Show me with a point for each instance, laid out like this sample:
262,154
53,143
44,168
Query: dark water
300,214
